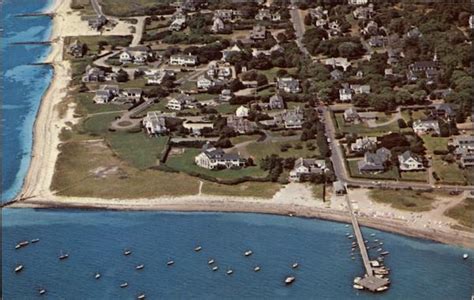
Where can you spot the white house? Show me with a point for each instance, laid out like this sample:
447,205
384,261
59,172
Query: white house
360,89
138,54
304,168
155,122
410,162
363,144
183,60
425,126
180,102
358,2
242,112
204,82
217,25
289,85
345,94
213,158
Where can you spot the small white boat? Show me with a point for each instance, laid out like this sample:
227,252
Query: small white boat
127,252
381,243
215,268
358,287
42,291
18,268
124,285
171,262
256,269
376,240
384,253
229,272
289,280
295,265
198,248
357,280
97,275
63,256
347,225
21,244
211,261
141,296
350,236
139,267
35,241
248,253
379,250
381,289
465,256
372,234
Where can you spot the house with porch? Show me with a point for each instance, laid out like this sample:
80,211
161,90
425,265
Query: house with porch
212,158
304,168
409,161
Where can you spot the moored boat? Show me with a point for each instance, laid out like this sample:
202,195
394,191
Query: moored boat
198,248
295,265
171,262
21,244
140,267
382,288
63,256
211,261
127,252
97,275
248,253
18,268
229,272
124,285
215,268
357,286
41,291
384,253
465,256
141,296
35,241
256,269
289,280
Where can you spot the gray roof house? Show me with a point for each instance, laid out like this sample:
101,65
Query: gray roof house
351,116
374,162
214,158
276,102
289,85
336,74
410,162
305,167
258,32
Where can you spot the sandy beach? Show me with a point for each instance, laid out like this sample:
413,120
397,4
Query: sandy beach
294,199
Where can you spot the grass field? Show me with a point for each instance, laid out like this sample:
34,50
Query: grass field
448,173
317,190
244,138
91,170
261,150
247,189
404,200
98,125
463,212
86,106
137,149
92,42
415,176
185,163
391,173
130,7
363,129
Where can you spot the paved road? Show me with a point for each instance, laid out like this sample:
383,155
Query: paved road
97,8
342,173
298,24
139,28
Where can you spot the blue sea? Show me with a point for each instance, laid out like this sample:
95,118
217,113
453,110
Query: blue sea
22,87
95,241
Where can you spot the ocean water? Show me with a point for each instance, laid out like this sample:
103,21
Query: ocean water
22,86
95,240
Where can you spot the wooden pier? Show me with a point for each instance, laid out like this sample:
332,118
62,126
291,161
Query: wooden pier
370,282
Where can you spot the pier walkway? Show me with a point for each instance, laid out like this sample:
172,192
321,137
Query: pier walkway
369,282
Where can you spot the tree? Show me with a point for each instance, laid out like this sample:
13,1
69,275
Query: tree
122,76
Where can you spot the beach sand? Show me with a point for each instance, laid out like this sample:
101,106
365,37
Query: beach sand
294,199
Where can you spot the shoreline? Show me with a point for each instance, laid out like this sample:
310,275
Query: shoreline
214,204
36,192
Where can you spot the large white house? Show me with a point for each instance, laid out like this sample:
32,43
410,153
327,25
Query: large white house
213,158
137,55
410,162
180,102
242,112
155,122
305,167
183,60
426,126
358,2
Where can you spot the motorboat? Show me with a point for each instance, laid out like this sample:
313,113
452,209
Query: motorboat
295,265
382,288
63,256
127,252
358,287
215,268
248,253
198,248
21,244
141,296
41,291
97,275
140,267
289,280
229,272
35,241
465,256
124,285
256,269
211,261
384,253
171,262
18,268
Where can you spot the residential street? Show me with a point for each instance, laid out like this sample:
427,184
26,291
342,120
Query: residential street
298,24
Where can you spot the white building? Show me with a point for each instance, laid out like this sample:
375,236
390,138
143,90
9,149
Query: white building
155,122
183,60
426,126
410,162
304,168
242,112
213,158
358,2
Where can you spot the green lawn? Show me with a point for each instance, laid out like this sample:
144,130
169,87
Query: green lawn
92,170
415,176
226,108
92,41
244,138
403,199
246,189
137,149
391,173
448,173
185,163
205,96
463,212
130,7
86,106
362,128
261,150
271,73
98,125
